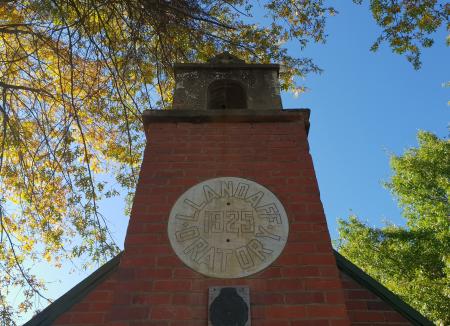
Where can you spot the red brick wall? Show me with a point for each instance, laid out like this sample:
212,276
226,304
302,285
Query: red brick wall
154,287
365,308
303,284
94,308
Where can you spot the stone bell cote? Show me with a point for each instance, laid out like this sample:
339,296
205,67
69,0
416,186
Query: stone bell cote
226,82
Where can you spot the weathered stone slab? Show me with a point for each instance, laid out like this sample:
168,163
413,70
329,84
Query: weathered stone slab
228,227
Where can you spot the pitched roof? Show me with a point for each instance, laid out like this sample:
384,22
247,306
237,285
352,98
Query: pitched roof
357,274
74,295
78,292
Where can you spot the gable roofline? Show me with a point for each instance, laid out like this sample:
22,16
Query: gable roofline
78,292
369,283
74,295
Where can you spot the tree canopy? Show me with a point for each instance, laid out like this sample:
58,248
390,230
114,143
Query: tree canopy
407,25
75,77
412,261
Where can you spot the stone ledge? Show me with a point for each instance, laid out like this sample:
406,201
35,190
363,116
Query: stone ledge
202,116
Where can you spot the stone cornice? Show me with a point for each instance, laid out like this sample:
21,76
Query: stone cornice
224,116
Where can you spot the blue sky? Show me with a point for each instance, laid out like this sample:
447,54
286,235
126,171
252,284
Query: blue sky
364,107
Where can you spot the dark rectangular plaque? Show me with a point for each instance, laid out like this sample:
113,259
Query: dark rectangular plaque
229,306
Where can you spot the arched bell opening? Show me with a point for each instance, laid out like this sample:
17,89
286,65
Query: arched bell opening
226,94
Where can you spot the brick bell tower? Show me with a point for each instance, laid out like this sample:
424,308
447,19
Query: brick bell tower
228,199
227,227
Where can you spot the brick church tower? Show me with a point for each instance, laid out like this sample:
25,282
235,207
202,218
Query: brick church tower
227,227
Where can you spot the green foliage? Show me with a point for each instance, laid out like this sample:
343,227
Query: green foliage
413,262
407,25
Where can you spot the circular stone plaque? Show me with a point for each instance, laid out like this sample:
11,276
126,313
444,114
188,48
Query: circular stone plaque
228,227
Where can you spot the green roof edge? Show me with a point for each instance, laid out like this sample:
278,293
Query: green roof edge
357,274
74,295
79,291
